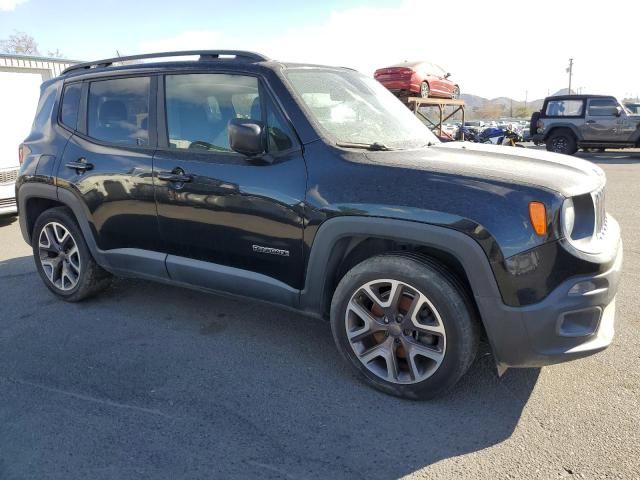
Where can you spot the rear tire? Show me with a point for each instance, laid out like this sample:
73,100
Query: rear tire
562,140
425,91
429,338
63,259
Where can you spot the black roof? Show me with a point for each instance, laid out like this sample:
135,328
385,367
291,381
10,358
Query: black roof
576,97
135,62
204,55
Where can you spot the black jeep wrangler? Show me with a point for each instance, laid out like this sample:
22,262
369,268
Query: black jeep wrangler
314,188
569,122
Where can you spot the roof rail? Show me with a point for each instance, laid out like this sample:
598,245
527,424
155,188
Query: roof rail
205,55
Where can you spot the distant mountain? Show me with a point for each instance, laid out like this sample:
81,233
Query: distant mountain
485,108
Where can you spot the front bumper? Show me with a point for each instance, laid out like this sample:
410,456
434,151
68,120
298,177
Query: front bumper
8,205
564,326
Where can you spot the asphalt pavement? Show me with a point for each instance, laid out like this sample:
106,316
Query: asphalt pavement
148,381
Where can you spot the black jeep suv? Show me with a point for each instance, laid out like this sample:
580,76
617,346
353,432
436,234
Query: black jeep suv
314,188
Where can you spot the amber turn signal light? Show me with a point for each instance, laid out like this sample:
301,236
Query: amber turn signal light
538,217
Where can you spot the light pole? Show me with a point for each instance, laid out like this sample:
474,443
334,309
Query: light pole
570,70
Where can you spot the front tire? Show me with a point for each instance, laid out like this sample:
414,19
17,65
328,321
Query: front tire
405,325
63,259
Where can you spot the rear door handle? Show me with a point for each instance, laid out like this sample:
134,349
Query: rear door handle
590,121
175,177
80,165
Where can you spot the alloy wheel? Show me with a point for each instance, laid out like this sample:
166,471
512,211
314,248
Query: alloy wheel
424,90
559,144
395,331
59,256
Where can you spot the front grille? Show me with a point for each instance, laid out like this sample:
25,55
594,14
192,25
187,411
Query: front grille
600,212
7,202
8,176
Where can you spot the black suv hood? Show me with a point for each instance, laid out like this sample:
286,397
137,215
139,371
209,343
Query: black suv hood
563,174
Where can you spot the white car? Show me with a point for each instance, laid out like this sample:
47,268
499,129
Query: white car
8,173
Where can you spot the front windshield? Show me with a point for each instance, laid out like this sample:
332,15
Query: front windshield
353,108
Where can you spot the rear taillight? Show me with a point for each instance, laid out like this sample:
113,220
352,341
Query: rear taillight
21,153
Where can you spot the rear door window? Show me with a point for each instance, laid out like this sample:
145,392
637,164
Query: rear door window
564,108
119,111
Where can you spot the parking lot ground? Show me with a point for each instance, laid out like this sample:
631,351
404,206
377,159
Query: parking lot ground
149,381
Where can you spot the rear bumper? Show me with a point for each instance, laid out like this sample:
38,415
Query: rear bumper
397,86
562,327
8,203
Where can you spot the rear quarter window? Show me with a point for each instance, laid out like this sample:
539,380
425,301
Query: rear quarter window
564,108
45,107
70,105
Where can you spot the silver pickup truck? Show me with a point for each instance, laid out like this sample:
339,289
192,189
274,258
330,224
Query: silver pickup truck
569,122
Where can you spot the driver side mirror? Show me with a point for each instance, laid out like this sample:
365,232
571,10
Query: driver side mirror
618,111
246,137
447,75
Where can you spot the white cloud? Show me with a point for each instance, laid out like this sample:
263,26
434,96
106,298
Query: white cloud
9,5
504,51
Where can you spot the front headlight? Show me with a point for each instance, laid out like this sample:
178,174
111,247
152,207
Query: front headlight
568,217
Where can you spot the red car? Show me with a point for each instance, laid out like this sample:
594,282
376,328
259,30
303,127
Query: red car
418,78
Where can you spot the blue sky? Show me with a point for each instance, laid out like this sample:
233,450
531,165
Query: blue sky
521,50
90,29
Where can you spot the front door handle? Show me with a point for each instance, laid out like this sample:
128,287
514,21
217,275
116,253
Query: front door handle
590,121
175,177
80,165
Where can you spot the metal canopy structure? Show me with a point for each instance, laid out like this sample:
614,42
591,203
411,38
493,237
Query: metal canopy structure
457,106
47,67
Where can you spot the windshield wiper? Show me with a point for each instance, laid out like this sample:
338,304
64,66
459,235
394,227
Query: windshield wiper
375,146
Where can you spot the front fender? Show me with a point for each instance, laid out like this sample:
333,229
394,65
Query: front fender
466,250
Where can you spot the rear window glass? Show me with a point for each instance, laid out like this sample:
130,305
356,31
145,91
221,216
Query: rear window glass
70,105
564,108
119,111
